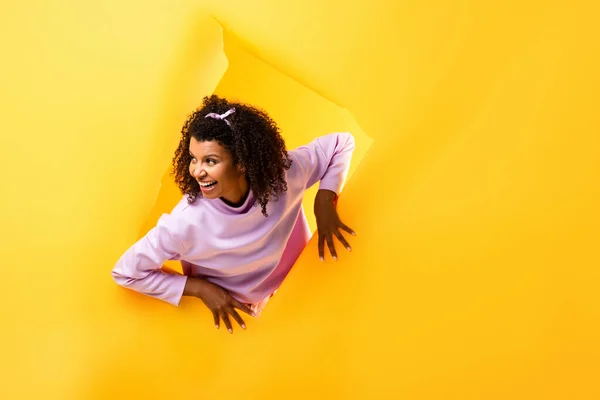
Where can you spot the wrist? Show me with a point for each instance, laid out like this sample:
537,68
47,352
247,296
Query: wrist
193,287
326,195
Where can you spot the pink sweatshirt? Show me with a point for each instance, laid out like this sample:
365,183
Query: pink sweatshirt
238,249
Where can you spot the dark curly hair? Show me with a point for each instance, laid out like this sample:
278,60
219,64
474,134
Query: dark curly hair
253,139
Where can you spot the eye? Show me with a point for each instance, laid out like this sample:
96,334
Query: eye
211,161
193,160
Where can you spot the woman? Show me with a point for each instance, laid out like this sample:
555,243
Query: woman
240,226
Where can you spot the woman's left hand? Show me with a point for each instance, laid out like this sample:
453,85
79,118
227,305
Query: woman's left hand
328,223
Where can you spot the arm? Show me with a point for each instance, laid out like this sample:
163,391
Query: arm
327,159
139,267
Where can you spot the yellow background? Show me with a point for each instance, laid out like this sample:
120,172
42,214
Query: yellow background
474,274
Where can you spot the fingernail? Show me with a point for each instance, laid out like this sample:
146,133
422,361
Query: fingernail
321,258
217,326
353,234
335,258
243,326
230,331
349,248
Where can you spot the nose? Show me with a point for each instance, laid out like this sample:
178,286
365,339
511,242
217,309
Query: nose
198,172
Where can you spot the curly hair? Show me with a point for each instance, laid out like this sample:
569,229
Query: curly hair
252,138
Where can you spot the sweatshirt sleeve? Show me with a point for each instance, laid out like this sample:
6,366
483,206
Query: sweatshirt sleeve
326,159
139,267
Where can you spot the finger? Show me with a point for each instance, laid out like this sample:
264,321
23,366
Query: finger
216,318
347,229
243,307
331,247
321,247
237,317
342,239
225,318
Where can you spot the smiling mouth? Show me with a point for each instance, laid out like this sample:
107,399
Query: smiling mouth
207,185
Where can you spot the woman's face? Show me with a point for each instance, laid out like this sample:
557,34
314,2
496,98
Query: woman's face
212,167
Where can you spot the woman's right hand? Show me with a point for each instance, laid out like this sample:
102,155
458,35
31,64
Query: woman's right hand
218,301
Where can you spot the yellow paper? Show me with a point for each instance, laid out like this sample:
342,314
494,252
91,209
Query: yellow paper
474,274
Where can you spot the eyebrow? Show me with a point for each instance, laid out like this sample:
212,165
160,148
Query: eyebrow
206,156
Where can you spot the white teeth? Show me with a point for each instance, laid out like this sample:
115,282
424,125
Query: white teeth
206,184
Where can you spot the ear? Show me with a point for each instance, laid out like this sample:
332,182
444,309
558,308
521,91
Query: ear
241,169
